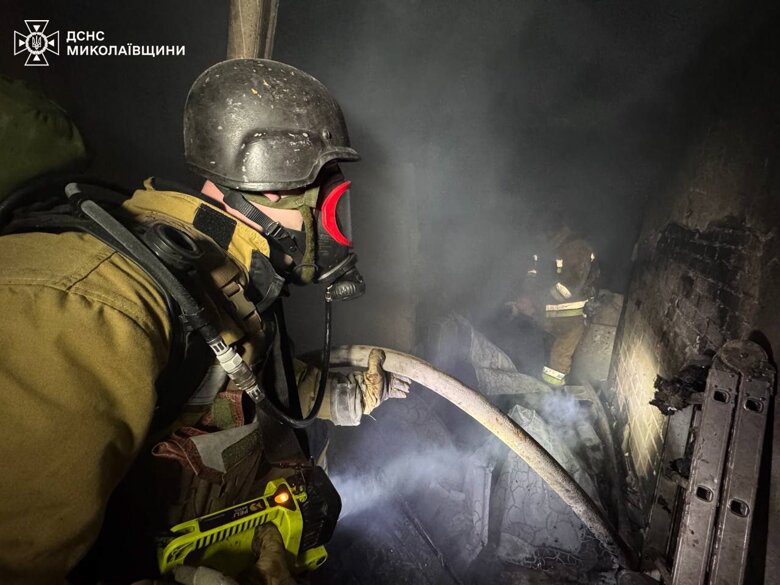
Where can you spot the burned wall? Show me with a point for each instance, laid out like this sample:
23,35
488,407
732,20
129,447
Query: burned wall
692,290
703,266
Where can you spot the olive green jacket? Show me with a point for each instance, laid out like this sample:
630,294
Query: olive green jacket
85,335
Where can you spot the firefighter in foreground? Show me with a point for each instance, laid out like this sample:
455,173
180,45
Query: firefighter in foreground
146,354
559,283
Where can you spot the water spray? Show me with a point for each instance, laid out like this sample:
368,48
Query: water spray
507,431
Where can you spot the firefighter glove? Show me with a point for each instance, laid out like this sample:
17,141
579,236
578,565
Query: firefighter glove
379,385
271,567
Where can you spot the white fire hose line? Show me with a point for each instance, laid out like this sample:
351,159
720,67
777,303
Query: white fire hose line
513,436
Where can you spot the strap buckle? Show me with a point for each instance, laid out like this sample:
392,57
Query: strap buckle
275,230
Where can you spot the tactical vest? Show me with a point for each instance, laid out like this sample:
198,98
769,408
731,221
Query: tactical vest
208,448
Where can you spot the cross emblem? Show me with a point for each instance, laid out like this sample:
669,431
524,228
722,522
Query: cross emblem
36,42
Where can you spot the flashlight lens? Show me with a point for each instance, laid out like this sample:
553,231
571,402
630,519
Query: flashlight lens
282,498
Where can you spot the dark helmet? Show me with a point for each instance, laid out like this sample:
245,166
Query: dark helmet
261,125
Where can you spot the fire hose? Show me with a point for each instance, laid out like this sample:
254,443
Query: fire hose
499,424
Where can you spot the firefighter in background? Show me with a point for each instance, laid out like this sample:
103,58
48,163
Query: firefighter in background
560,280
115,306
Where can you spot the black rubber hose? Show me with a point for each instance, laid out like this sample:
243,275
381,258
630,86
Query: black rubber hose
277,411
136,249
44,186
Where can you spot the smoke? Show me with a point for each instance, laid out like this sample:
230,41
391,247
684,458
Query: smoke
400,478
561,407
476,118
420,486
424,470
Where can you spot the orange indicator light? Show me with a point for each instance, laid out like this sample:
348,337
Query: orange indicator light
282,498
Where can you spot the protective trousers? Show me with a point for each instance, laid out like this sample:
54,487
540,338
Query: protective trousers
567,333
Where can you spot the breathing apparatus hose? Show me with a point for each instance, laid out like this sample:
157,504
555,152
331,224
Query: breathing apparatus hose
512,435
301,423
193,313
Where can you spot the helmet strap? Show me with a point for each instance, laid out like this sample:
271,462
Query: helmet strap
305,266
308,198
305,203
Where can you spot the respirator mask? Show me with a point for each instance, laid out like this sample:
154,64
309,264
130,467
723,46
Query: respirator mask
322,252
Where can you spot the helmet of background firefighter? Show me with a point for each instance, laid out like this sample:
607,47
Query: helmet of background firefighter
554,226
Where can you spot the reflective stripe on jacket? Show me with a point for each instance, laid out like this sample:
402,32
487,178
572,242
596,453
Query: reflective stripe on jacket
572,309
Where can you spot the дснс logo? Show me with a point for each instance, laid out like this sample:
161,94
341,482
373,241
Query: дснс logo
36,42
